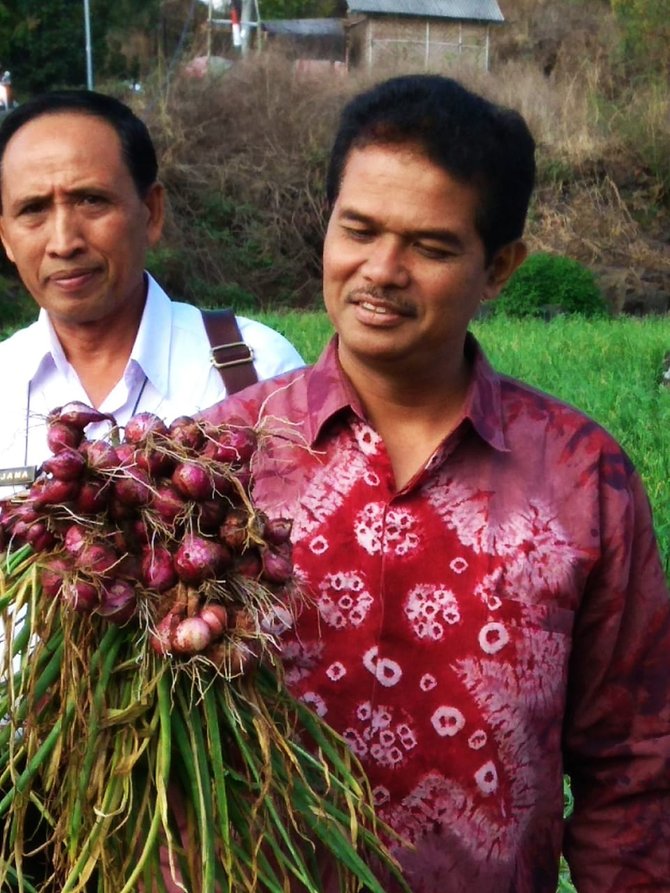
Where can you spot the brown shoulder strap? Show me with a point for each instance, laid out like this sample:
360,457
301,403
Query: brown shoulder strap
228,353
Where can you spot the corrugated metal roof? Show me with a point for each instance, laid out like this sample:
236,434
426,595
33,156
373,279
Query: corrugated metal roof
304,27
477,10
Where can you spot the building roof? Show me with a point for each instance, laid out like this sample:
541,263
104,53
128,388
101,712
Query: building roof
473,10
304,27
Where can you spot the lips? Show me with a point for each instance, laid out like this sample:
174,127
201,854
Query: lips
72,280
376,308
380,305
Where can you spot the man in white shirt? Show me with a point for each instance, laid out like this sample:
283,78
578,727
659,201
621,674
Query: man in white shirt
80,207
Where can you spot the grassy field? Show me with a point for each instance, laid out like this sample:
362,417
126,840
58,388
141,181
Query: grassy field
611,369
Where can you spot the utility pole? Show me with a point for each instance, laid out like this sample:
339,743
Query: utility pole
89,49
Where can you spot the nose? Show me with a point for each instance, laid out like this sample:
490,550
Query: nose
385,263
65,234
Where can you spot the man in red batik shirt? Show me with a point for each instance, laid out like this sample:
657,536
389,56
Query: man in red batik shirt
488,608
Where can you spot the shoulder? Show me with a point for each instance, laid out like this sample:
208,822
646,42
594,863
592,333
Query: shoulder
273,353
540,423
15,347
284,396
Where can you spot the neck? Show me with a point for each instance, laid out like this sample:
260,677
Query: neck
99,351
412,409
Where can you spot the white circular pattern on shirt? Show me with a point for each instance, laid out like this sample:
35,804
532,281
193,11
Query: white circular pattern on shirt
367,439
388,756
343,602
406,735
386,741
392,530
458,565
336,671
386,671
493,637
371,479
380,718
364,711
368,527
316,702
380,796
399,534
356,743
447,721
318,545
427,682
478,739
426,606
487,778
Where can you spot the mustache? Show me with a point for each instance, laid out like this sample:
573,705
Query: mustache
386,295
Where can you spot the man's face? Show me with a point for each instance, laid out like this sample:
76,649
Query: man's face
72,220
404,267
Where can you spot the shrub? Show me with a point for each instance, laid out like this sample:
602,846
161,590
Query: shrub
545,284
16,308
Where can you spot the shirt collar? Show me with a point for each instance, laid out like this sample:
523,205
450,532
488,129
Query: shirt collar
44,346
151,350
329,392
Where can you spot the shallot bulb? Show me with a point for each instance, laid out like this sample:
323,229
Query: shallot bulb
198,559
277,566
193,481
161,640
158,572
216,618
118,602
143,425
67,465
81,596
62,436
186,432
133,487
191,636
77,414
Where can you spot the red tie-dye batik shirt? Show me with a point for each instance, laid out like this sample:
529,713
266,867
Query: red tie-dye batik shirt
500,620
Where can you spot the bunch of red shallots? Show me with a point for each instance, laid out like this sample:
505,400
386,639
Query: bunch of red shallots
156,527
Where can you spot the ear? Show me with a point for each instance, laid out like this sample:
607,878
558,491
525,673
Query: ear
505,261
154,201
5,243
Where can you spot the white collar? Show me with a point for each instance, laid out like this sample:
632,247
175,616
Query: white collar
151,350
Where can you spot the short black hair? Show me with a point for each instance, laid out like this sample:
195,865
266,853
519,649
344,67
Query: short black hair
475,141
137,147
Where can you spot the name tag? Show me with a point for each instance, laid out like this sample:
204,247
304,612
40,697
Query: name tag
20,476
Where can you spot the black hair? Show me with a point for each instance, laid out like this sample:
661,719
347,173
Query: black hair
137,147
475,141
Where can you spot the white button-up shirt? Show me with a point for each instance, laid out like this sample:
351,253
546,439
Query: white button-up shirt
169,373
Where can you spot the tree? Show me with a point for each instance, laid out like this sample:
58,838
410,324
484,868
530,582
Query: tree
42,42
645,26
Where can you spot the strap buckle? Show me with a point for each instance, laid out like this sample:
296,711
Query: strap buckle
247,356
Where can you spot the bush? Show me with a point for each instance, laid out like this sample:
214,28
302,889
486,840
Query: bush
546,284
16,307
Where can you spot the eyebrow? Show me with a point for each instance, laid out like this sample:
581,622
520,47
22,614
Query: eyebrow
74,193
446,236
